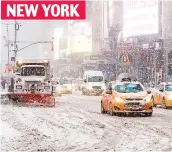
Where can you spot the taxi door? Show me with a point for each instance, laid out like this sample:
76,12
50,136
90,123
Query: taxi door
161,93
157,95
107,96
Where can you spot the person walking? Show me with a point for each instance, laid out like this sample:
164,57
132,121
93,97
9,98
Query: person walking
3,82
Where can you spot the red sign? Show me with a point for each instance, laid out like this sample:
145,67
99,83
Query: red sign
9,68
43,10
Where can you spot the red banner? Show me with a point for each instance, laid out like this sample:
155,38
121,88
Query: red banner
43,10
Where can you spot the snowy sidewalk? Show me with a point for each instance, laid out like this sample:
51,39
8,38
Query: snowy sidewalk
3,94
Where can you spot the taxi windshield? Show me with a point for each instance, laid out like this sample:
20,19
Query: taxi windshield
168,88
128,88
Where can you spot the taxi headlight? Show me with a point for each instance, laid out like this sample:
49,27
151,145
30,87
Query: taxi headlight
69,87
89,87
148,98
103,87
57,87
117,99
169,97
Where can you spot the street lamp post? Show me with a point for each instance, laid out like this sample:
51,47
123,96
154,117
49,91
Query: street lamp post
7,41
7,44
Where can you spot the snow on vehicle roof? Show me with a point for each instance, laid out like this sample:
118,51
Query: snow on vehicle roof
122,76
132,82
32,66
32,60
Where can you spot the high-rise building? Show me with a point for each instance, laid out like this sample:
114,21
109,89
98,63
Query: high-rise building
167,36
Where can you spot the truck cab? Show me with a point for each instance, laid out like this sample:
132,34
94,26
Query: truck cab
32,82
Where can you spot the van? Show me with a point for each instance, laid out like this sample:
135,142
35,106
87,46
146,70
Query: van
94,83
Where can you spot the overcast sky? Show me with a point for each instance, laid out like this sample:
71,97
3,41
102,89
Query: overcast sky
30,31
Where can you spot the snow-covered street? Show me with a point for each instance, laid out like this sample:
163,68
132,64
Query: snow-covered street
76,124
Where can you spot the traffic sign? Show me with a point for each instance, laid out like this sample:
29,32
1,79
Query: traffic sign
94,57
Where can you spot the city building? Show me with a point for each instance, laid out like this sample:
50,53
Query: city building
114,30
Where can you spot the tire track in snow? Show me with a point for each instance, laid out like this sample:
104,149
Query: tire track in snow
76,124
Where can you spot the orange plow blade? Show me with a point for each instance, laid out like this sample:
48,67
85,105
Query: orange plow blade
44,99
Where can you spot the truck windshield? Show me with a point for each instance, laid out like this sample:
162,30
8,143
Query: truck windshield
33,71
95,78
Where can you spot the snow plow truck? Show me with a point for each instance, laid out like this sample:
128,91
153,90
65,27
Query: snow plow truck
32,83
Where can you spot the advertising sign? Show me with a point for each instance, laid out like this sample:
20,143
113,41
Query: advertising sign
140,17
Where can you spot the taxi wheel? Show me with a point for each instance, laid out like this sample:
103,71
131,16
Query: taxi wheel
164,103
102,109
148,114
111,111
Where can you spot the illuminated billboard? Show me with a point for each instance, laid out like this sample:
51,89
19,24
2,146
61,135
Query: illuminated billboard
140,17
80,44
80,38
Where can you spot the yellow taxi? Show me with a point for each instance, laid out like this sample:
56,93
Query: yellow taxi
126,98
162,95
66,86
57,90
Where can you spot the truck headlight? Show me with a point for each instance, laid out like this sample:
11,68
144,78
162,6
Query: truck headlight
18,86
18,80
47,87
